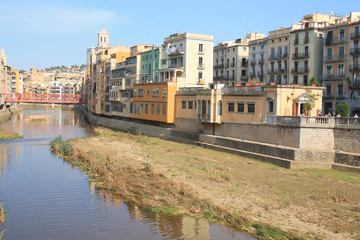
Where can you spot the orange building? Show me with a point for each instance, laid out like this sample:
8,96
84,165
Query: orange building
154,102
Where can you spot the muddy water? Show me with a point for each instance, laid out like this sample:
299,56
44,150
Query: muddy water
49,199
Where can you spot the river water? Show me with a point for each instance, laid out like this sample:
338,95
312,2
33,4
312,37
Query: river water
47,198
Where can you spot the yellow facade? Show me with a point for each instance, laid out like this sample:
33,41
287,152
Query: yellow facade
154,102
249,104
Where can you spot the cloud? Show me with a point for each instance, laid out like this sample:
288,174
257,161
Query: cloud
56,19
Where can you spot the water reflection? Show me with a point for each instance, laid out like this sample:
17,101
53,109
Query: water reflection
49,199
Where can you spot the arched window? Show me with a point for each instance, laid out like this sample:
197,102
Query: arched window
203,107
219,108
100,39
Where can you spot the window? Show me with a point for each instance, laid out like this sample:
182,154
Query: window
146,108
244,48
164,109
305,80
341,69
341,52
152,108
183,104
200,62
209,108
135,90
271,106
220,108
329,53
164,92
230,107
340,89
295,80
328,89
342,34
158,109
241,107
200,75
203,107
272,52
328,70
190,104
251,107
201,47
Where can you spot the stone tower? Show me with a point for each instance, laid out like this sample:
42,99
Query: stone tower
103,39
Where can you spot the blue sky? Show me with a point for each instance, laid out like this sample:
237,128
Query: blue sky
49,33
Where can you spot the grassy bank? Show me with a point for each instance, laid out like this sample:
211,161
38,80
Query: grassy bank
9,135
262,199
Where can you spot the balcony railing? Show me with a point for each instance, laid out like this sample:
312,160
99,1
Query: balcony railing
253,62
300,55
330,41
355,51
244,63
260,74
219,66
354,68
227,65
261,61
272,71
233,65
335,58
299,70
355,35
334,77
220,78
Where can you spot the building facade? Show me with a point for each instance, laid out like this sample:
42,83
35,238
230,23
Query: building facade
258,59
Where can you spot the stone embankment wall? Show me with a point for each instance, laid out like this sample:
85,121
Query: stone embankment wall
288,157
5,114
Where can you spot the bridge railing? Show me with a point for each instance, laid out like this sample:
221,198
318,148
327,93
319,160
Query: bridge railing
313,121
45,98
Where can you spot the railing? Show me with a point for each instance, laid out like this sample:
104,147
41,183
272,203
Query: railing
261,61
203,117
354,68
272,71
253,62
219,66
45,98
355,35
300,70
335,58
333,77
330,41
355,51
313,121
300,55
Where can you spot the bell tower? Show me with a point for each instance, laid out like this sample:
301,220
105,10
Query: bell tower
103,39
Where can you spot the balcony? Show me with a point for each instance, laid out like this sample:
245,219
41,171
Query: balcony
354,84
274,71
334,77
300,55
354,68
355,35
260,74
296,41
253,62
261,61
331,41
181,65
355,51
220,78
335,58
233,65
175,51
219,66
227,65
299,70
252,75
201,67
244,63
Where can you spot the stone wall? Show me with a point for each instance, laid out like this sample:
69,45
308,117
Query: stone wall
347,139
320,139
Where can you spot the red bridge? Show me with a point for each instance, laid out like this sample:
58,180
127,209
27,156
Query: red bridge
45,98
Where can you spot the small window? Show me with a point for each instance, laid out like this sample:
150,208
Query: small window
183,104
164,92
164,109
201,47
230,107
271,107
241,107
158,109
146,108
152,108
190,104
251,108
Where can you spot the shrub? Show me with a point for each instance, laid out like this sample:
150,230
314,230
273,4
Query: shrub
63,148
343,109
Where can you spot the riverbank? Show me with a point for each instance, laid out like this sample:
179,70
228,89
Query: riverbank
260,198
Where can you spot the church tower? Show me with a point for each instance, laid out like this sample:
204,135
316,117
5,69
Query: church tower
103,39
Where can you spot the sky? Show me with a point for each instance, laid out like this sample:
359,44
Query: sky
42,34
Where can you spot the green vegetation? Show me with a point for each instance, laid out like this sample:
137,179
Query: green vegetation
343,109
9,135
310,99
61,147
2,220
313,81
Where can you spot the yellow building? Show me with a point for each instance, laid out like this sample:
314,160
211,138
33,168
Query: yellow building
245,104
154,102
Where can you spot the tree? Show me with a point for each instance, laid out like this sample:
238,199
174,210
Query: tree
313,80
310,99
343,109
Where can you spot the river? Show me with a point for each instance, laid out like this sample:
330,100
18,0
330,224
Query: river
47,198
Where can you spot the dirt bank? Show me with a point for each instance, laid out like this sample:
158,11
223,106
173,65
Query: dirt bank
260,198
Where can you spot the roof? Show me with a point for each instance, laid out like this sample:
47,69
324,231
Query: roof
103,30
